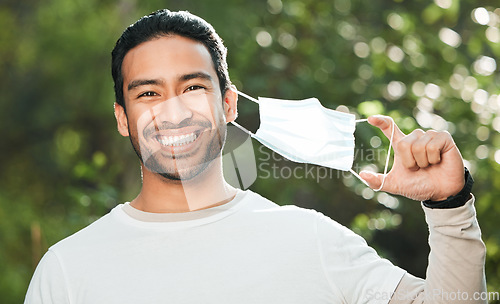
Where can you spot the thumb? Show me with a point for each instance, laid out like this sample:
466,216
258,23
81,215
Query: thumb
374,180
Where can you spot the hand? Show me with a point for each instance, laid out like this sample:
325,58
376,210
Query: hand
427,165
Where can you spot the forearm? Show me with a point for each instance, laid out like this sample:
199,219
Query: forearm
456,261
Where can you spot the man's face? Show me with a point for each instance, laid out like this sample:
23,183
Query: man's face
175,116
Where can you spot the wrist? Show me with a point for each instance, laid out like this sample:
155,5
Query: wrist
456,200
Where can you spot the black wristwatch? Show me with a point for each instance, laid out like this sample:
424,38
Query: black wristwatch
457,200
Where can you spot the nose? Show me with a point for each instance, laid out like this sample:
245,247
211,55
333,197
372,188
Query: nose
172,110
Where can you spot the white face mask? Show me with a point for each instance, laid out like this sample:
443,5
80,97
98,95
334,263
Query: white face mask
306,132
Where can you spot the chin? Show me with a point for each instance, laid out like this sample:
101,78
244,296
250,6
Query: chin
174,174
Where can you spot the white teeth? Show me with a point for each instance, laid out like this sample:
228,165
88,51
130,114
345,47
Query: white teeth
176,140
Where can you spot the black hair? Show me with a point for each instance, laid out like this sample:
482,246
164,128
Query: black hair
163,23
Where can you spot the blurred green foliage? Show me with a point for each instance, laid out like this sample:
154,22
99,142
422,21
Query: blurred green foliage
428,64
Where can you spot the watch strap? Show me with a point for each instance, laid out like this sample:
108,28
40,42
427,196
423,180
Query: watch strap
456,200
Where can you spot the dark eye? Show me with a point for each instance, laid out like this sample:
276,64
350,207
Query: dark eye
148,94
194,88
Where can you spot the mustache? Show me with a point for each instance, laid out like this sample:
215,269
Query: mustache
166,125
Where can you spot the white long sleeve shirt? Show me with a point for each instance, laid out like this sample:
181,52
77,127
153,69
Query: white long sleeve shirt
249,250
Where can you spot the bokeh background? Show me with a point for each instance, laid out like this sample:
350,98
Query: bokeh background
428,64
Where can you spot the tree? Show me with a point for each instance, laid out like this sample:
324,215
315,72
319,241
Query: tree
428,64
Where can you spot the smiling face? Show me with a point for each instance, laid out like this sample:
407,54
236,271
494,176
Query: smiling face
174,116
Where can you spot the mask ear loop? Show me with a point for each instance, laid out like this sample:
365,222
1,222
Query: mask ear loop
248,97
386,161
237,124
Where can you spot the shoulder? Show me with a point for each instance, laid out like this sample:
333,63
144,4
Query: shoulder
259,204
48,284
291,216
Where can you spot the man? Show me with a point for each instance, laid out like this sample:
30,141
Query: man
189,237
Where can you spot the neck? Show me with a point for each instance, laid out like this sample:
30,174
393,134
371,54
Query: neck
161,195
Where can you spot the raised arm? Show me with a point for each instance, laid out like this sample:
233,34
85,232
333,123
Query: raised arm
428,167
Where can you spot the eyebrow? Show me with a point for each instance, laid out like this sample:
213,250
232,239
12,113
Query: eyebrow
142,82
197,75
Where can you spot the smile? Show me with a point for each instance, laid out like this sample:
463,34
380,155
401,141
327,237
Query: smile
177,140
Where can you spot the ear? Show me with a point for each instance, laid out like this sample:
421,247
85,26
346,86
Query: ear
121,119
230,104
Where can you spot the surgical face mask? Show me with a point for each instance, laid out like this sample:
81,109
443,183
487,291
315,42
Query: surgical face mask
304,131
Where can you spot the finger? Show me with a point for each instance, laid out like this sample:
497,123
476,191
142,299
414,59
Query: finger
419,149
440,143
433,151
386,123
403,149
374,180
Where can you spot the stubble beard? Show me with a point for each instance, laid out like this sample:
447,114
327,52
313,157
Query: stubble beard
180,169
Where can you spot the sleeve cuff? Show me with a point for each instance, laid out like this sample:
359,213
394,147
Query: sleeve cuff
450,216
